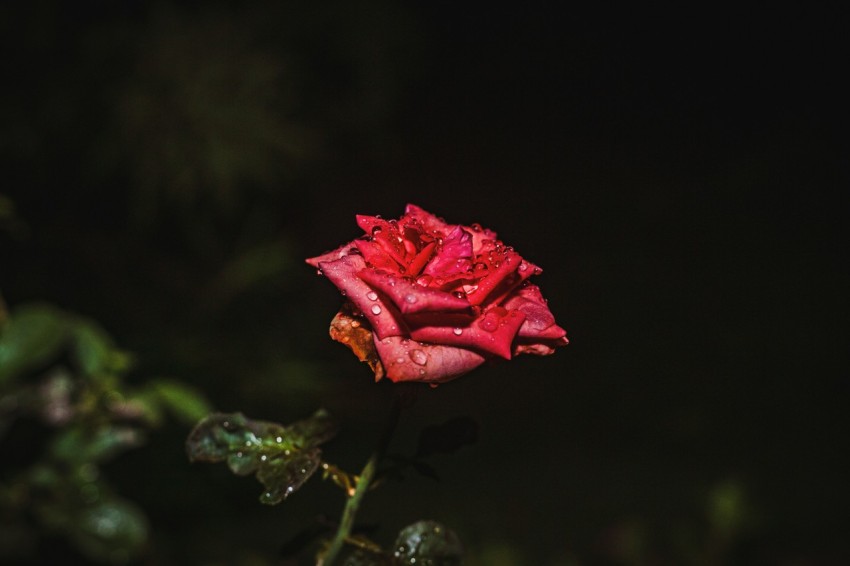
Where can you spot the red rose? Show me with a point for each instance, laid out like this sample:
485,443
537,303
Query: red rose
429,301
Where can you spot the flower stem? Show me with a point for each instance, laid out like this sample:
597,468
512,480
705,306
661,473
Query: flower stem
363,482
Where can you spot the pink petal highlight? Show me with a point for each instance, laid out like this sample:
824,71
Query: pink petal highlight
408,360
382,315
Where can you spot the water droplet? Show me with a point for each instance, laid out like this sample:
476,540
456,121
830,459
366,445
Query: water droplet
375,309
410,298
457,331
319,272
433,385
399,360
263,458
523,266
424,280
489,323
421,372
418,357
458,294
376,230
372,296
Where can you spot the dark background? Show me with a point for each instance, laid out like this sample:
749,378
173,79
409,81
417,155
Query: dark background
681,178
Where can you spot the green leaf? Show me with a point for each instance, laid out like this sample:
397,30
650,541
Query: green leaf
428,543
283,457
31,337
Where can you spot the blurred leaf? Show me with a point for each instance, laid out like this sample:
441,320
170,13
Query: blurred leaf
728,510
32,336
447,437
111,531
95,350
81,446
283,457
187,404
428,543
257,264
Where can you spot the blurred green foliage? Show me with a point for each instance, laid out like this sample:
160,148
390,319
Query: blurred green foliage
65,411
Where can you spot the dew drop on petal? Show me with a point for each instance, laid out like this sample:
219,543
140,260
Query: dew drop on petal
372,296
489,324
457,331
523,266
375,309
410,298
418,357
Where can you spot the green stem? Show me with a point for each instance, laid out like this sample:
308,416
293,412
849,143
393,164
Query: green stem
363,482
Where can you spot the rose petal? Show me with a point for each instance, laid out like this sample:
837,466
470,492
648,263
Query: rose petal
333,255
408,360
544,348
347,329
454,257
376,256
382,315
411,297
539,320
430,222
492,332
505,269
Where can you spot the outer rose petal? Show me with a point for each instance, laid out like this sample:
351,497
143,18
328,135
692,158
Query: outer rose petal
333,255
493,332
539,320
382,315
410,297
408,360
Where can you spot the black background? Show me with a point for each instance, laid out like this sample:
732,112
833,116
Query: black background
681,177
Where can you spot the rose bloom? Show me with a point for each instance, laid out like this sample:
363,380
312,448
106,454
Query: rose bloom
429,301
